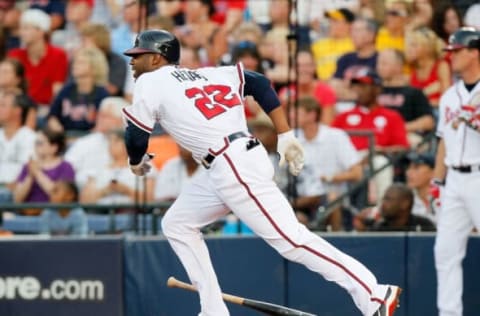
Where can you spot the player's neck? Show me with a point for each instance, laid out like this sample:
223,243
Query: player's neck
471,75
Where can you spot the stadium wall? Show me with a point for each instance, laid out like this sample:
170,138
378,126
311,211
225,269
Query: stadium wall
127,276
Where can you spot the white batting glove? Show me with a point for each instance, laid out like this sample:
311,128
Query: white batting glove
290,151
144,166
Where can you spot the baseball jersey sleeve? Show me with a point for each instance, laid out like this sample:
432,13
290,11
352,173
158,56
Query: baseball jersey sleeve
141,112
260,88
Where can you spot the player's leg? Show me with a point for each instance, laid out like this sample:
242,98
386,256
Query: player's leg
196,207
453,227
471,198
253,196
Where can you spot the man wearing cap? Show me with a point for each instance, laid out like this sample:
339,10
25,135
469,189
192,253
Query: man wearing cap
419,175
45,65
387,126
338,42
392,33
457,168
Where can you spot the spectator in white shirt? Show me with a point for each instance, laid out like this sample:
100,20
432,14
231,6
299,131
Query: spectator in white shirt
16,140
115,183
334,158
89,154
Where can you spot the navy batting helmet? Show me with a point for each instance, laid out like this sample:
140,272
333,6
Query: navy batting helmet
465,37
157,42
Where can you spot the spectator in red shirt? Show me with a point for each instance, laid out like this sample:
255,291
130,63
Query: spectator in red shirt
387,126
45,65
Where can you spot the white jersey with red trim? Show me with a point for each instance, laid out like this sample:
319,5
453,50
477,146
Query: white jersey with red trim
185,101
462,143
199,108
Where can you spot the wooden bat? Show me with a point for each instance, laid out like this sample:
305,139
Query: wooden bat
268,308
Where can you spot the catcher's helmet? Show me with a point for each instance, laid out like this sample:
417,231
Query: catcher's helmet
465,37
156,41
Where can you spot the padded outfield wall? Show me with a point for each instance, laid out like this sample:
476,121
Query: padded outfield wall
127,276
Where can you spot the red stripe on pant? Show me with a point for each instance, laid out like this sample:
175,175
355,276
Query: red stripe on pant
313,251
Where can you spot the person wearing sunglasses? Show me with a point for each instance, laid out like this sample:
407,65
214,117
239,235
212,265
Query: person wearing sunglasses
392,33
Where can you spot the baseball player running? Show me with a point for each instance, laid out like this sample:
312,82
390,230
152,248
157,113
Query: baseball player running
203,111
458,166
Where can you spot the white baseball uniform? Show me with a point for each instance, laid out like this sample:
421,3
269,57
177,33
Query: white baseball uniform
200,109
459,199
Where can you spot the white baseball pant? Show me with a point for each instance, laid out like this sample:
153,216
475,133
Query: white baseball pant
241,181
459,213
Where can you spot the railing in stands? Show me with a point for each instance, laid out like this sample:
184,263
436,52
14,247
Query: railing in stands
139,212
325,210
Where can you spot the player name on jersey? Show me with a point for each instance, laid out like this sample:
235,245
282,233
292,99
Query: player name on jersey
190,75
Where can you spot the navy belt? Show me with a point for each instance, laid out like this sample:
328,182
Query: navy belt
210,157
466,169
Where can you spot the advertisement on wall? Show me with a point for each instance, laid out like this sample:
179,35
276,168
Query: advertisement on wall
61,277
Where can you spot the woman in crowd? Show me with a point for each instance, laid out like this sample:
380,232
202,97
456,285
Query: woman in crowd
76,105
446,20
38,177
429,70
98,36
12,78
116,184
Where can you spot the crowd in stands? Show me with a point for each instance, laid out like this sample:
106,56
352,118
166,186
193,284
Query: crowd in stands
360,81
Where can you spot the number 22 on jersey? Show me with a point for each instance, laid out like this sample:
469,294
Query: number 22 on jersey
213,99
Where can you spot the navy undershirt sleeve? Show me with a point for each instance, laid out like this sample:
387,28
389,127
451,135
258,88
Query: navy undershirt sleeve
136,141
259,87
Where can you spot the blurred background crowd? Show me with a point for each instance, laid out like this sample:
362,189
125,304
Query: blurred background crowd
359,79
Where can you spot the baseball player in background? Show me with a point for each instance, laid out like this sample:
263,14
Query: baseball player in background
203,111
457,166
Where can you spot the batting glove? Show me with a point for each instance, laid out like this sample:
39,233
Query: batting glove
144,166
290,151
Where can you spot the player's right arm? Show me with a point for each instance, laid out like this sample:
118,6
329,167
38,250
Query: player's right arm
440,170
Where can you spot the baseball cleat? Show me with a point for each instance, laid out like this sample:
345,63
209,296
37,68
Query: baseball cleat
391,302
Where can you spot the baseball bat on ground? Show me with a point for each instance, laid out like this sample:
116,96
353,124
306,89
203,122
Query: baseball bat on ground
268,308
